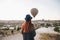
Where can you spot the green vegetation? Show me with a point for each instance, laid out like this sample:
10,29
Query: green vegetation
42,24
56,24
47,25
57,29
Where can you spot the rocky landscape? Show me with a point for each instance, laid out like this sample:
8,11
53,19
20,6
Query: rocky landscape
41,34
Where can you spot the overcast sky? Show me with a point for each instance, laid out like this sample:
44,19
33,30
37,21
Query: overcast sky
17,9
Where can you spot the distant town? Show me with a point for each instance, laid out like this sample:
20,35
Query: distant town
11,24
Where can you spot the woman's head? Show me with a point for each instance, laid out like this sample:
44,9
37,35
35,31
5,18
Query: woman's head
28,17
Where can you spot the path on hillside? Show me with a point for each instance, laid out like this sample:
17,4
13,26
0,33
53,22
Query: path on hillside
14,37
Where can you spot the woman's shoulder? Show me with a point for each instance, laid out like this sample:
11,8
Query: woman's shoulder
23,23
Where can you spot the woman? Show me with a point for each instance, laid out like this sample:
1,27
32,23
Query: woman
27,28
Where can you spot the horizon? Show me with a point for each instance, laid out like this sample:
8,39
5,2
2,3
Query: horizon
31,20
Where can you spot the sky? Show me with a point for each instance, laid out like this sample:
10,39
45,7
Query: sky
18,9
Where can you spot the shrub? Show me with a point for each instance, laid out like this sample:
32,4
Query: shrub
57,29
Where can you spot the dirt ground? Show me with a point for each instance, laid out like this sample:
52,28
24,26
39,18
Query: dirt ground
15,37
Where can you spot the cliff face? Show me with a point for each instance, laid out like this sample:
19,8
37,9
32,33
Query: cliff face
47,34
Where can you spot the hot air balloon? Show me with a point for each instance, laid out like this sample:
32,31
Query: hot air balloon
34,12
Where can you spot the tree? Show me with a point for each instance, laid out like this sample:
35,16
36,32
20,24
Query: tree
57,29
42,24
55,24
47,25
